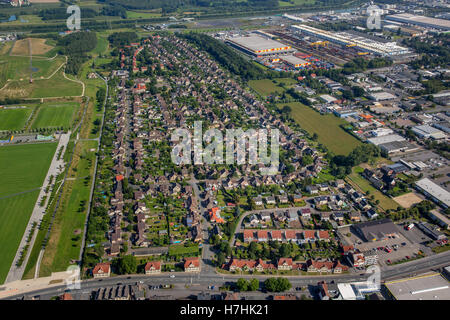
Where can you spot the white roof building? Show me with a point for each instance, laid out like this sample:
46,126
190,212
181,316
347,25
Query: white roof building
434,191
385,139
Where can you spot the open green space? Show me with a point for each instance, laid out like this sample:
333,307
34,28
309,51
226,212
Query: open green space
364,185
16,68
22,168
142,15
14,119
67,230
181,250
291,3
266,87
56,86
14,214
55,115
327,127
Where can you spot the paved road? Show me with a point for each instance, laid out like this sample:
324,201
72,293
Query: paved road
56,167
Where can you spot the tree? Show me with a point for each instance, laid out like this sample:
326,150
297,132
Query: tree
277,284
242,284
220,259
254,285
127,265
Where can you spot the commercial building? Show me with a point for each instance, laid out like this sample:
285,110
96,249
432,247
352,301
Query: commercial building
382,96
348,39
258,45
376,230
422,21
431,231
397,146
440,219
434,192
432,286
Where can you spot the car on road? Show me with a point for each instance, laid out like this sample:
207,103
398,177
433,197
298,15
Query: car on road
172,276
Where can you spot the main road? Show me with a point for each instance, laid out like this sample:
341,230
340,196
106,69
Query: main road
411,268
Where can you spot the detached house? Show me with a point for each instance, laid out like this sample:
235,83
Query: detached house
192,264
102,270
153,267
284,264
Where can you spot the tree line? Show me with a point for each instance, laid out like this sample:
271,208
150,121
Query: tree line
76,46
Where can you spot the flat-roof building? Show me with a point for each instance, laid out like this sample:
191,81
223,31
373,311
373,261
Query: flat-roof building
434,192
431,286
294,61
427,131
386,139
422,21
376,230
258,45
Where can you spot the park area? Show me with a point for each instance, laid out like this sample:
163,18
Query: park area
23,169
265,87
327,127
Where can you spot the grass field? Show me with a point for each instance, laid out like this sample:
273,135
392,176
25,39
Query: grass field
181,249
65,243
57,86
14,214
266,86
22,168
16,68
142,15
327,128
290,3
364,185
55,115
14,119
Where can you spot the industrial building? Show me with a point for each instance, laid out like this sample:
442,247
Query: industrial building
295,62
386,139
440,219
352,40
431,286
376,230
422,21
425,131
434,192
257,45
397,146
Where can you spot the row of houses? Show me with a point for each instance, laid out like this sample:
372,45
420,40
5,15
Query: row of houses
286,235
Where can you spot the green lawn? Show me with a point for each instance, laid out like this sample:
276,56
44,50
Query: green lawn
290,3
181,249
327,128
14,119
142,15
22,168
55,115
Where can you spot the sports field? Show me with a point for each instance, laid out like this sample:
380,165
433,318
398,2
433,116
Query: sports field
23,169
55,115
327,128
14,119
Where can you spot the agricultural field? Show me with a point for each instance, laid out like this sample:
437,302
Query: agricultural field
56,86
23,169
142,15
336,139
364,185
55,115
290,3
38,47
14,118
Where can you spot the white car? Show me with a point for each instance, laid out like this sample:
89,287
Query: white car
172,276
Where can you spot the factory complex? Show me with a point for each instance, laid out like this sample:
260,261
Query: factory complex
351,40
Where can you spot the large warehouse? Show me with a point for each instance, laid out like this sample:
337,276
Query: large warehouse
431,286
257,45
435,192
422,21
376,230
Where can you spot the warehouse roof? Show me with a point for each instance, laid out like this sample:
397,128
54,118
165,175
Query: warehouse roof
411,18
255,43
294,60
434,190
426,287
385,139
